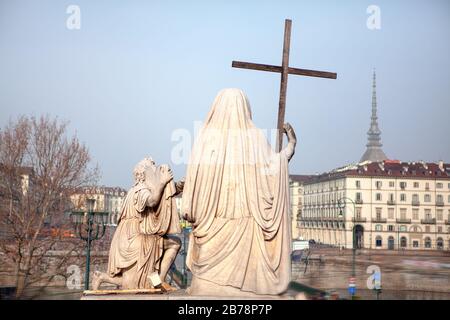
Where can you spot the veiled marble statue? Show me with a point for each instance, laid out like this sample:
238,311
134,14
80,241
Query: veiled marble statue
144,243
236,196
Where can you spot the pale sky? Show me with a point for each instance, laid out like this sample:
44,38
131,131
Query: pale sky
136,71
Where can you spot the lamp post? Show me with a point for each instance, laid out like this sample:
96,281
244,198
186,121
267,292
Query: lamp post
89,226
342,205
378,292
186,229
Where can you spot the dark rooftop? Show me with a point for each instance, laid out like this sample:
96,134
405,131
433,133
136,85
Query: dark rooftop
300,178
388,168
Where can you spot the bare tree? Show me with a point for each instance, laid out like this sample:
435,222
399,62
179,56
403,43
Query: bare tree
40,167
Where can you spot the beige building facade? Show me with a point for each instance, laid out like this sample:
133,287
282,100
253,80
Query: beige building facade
107,199
389,205
296,198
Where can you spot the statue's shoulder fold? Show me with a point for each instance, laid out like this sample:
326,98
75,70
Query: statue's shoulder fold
138,188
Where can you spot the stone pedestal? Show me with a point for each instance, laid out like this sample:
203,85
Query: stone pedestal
157,294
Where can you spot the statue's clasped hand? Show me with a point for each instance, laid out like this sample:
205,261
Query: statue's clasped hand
166,173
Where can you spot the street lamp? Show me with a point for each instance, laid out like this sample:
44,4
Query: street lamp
378,291
186,230
342,204
89,226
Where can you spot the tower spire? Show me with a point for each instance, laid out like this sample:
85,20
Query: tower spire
374,152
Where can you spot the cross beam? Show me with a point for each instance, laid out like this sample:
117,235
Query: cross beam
285,70
278,69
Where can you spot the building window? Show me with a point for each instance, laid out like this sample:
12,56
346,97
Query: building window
416,184
402,197
448,186
378,184
402,185
391,243
391,197
448,200
390,227
402,213
415,214
378,213
378,227
391,213
403,242
415,244
379,242
358,213
427,214
439,229
439,215
439,198
427,198
427,242
439,185
358,196
392,184
402,228
415,197
427,229
427,186
358,184
440,243
378,196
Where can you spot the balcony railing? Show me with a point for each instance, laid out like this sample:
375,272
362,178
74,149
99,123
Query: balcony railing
439,203
391,202
415,203
359,219
379,220
358,201
404,221
428,221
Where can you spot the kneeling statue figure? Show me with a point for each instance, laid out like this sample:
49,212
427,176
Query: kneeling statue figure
144,243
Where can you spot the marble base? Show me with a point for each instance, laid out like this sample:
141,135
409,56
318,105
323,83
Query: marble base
175,295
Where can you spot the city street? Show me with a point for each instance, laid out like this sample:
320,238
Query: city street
404,275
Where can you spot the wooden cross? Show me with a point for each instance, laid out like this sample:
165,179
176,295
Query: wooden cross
284,70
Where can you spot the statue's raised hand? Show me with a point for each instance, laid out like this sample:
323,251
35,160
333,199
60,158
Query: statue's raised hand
292,141
166,173
287,128
180,185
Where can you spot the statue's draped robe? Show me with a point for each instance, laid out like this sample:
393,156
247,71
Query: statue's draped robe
237,196
138,238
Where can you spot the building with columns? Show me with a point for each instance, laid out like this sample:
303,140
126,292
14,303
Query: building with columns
381,205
